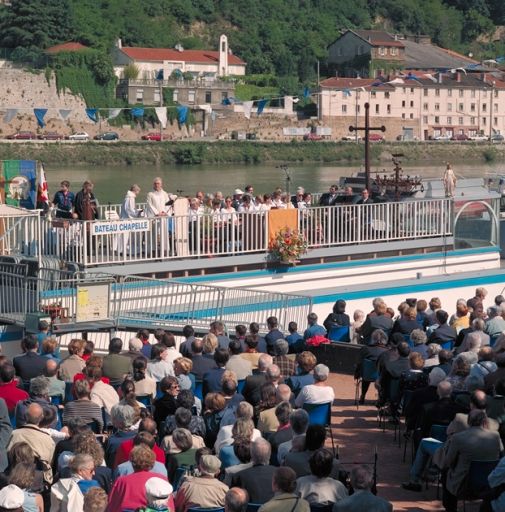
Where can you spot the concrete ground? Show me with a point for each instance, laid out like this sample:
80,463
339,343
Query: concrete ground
357,434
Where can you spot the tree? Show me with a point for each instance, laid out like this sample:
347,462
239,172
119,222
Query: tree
36,24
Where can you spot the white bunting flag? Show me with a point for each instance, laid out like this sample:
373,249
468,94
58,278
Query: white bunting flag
113,113
248,105
10,114
64,113
161,113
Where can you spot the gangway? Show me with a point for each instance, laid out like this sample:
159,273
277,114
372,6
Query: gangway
78,302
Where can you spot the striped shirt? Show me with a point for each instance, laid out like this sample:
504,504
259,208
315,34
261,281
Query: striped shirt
85,409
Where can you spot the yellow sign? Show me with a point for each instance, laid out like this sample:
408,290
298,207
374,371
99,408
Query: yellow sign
92,302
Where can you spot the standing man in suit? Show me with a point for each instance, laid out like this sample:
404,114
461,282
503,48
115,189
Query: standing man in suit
329,198
475,443
362,499
365,197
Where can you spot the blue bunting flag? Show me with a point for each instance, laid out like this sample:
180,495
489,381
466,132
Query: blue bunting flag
39,114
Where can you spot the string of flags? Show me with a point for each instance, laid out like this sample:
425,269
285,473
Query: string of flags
95,114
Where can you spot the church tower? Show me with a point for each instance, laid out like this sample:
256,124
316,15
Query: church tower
223,56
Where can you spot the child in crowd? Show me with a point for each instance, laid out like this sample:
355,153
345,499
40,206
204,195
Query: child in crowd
358,320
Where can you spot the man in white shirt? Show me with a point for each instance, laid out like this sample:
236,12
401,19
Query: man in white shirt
319,392
157,206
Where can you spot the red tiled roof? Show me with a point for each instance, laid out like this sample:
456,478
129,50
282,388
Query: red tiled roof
66,47
379,38
162,54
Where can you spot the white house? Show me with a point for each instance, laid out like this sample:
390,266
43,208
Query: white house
201,63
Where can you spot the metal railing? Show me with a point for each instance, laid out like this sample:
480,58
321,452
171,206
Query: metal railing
356,224
20,235
195,235
142,303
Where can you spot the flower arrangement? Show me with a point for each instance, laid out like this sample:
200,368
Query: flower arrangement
288,245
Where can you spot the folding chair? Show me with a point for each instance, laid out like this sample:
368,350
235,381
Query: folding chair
146,400
179,473
192,378
447,345
198,509
199,389
339,334
363,463
240,385
68,391
317,507
368,374
493,340
253,507
320,414
407,339
477,484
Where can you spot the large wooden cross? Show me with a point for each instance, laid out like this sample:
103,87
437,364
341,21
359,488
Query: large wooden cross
367,129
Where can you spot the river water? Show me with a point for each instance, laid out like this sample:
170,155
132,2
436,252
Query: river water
111,183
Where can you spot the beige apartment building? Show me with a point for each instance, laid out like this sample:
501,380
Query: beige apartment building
417,107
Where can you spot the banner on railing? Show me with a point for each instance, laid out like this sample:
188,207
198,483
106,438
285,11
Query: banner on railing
117,227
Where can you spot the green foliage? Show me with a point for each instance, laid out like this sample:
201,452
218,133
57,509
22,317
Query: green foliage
246,92
88,74
277,38
131,72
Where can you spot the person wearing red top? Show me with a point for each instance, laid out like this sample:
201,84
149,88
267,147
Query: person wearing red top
124,450
129,492
92,360
9,390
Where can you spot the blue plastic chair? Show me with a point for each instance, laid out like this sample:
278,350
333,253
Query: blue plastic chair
68,391
316,507
12,418
477,484
179,473
145,400
199,389
192,378
159,394
369,371
493,340
253,507
320,414
407,339
447,345
439,432
198,509
57,400
240,385
339,334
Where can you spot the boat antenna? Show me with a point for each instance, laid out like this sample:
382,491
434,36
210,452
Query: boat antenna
287,174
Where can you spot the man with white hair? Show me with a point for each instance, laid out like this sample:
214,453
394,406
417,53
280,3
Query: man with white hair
319,392
495,323
473,344
257,479
134,348
432,355
480,297
123,417
274,375
204,491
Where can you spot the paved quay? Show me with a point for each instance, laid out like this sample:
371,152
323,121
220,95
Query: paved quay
357,434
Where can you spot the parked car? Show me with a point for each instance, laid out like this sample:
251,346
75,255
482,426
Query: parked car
107,136
152,136
351,136
375,137
50,136
444,136
22,136
460,136
312,136
497,137
78,136
478,138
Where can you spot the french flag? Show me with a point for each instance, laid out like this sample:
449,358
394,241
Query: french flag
42,192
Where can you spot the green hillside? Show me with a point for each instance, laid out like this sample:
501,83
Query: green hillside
281,37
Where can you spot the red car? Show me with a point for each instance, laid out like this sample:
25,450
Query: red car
375,137
312,136
22,136
460,136
50,136
152,136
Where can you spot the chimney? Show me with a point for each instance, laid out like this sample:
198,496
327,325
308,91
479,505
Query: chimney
119,43
458,77
483,77
440,78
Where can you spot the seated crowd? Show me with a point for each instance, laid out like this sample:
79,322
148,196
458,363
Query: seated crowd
217,422
445,374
